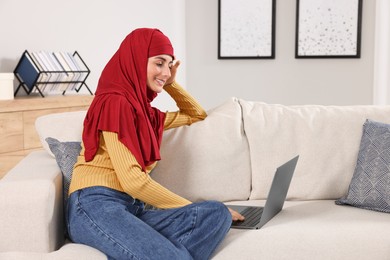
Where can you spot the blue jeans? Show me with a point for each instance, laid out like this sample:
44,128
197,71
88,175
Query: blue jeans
119,226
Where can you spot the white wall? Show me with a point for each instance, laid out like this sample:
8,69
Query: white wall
283,80
94,28
381,89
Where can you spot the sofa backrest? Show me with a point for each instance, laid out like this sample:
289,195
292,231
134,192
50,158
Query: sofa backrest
234,152
327,138
209,159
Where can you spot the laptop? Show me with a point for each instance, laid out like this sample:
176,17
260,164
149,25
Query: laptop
256,217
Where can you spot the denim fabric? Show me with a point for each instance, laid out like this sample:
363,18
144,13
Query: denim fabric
119,226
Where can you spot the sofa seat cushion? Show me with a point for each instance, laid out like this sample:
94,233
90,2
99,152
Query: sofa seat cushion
316,229
209,159
327,138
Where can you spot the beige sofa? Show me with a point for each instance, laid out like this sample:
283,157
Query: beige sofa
231,156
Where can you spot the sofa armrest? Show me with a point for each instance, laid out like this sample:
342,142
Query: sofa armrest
31,208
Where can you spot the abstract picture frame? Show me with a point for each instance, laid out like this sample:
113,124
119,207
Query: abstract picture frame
246,29
328,28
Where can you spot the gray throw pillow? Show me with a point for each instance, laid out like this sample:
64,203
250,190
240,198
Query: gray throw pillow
66,156
370,184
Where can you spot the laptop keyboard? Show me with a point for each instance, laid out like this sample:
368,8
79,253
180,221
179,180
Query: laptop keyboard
252,217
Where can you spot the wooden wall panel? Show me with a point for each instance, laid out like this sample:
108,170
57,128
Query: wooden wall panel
11,132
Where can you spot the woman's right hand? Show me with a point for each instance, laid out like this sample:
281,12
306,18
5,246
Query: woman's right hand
175,65
236,216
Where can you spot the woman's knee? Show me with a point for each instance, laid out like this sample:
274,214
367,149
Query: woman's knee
218,212
213,223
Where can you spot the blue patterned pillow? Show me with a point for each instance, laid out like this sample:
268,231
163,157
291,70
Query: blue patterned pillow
66,156
370,184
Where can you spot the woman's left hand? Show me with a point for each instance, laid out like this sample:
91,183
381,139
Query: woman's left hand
236,216
174,67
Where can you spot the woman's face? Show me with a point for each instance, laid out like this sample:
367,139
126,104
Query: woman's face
158,71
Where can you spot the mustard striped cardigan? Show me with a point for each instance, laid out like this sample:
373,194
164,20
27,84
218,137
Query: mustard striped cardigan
114,166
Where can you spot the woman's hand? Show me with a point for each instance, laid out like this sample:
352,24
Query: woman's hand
175,65
236,216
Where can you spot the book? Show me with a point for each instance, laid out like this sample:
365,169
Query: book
66,76
27,71
44,76
75,66
81,68
72,77
45,64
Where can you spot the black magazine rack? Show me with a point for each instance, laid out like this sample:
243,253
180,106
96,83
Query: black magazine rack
51,72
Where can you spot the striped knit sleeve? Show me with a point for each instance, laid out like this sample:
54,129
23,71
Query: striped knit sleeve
190,111
134,181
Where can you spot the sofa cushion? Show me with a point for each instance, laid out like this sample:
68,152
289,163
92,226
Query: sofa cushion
327,138
66,154
209,159
308,230
66,126
369,188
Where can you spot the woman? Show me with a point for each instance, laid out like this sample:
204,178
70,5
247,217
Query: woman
121,140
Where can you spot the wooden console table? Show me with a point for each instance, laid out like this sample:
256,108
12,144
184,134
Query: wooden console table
17,118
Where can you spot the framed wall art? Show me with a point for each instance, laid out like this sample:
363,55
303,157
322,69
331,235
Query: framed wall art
328,28
246,29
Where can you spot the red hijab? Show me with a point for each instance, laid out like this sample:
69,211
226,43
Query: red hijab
122,101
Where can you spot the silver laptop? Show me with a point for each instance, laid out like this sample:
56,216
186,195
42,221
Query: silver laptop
256,217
